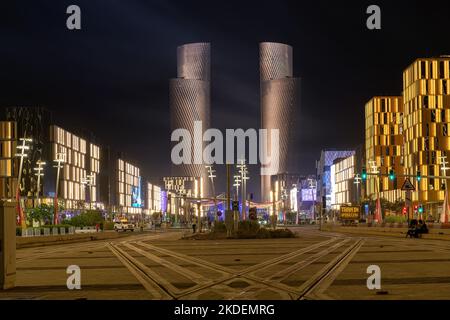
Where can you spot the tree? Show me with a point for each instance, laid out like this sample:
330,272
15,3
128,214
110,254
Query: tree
42,213
87,218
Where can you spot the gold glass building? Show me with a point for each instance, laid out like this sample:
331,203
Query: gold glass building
384,145
8,142
426,96
344,191
128,187
94,159
74,150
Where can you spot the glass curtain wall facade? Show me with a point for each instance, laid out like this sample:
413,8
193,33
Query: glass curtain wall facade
426,98
384,145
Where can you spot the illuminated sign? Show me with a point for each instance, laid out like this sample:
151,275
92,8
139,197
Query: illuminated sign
309,194
136,200
349,213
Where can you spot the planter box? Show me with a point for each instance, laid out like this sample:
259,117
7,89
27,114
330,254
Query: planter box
46,231
54,231
27,232
37,232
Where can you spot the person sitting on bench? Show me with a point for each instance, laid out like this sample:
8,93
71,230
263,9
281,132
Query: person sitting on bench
421,228
412,229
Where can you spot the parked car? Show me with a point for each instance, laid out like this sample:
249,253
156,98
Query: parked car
123,225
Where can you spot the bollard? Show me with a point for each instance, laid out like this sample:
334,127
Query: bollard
7,244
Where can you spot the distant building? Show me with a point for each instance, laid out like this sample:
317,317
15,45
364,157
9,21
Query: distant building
8,163
426,125
344,191
189,101
285,192
26,122
280,107
323,166
385,146
307,190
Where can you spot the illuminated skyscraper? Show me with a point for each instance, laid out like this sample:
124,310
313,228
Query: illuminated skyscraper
190,101
384,145
426,98
280,102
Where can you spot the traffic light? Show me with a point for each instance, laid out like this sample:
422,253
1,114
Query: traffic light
364,174
420,209
404,210
391,175
415,208
419,176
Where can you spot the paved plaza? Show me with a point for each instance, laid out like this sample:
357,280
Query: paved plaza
314,265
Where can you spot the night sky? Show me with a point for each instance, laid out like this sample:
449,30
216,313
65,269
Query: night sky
112,77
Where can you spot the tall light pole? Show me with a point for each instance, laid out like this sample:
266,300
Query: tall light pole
89,181
211,176
357,181
237,184
283,199
443,162
375,171
243,172
60,159
39,174
311,186
21,154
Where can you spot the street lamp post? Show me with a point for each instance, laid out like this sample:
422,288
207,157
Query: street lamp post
312,187
357,181
444,168
243,172
39,174
283,201
22,154
60,158
237,184
89,181
211,176
375,171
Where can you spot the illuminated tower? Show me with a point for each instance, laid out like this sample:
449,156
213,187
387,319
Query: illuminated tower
426,102
190,101
384,145
280,102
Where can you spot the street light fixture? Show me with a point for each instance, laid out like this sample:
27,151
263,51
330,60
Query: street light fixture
23,148
39,174
243,172
89,181
60,159
357,180
312,187
237,184
211,176
376,171
443,162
